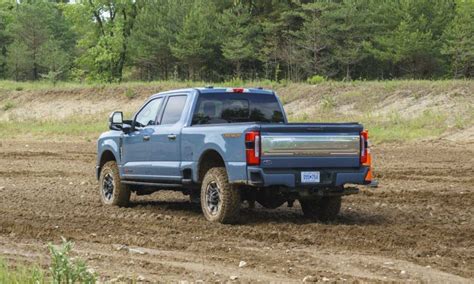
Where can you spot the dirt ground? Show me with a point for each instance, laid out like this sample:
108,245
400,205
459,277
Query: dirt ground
417,225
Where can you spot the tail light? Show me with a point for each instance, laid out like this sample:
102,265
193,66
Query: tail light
364,147
365,157
252,148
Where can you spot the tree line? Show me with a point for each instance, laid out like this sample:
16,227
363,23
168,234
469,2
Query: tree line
217,40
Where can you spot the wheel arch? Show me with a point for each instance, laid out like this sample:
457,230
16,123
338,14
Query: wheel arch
106,156
209,158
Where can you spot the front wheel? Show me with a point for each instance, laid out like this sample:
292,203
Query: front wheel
111,190
324,209
220,200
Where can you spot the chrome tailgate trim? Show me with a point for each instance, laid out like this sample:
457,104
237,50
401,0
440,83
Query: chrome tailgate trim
311,145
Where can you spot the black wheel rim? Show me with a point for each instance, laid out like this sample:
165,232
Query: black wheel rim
213,199
108,186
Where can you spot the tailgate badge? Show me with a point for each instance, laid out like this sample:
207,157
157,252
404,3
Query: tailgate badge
267,162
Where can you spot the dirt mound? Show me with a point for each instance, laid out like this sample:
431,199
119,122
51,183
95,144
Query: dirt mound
444,107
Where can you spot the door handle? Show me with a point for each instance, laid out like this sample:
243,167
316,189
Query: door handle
146,138
172,137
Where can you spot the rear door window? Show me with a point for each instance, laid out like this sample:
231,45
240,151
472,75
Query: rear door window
173,110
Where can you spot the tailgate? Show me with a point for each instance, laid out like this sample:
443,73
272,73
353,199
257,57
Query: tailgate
335,145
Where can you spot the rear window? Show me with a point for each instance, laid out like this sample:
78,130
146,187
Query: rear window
237,107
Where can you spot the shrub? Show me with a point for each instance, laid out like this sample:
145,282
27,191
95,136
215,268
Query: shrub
328,102
64,270
316,79
8,105
130,93
19,88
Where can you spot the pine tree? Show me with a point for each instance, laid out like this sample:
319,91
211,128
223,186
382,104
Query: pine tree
33,25
313,40
54,60
153,34
242,37
19,61
196,41
459,40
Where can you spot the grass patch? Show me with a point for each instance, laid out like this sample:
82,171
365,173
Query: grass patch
130,93
8,105
72,128
21,274
61,270
392,127
316,79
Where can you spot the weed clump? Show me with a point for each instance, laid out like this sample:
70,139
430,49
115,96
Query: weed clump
62,270
130,94
316,79
8,105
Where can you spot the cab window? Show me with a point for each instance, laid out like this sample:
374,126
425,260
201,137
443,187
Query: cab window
173,110
147,115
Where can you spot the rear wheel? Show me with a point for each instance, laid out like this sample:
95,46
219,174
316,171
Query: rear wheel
220,200
111,190
323,209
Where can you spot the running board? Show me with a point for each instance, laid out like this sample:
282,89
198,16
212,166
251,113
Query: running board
157,184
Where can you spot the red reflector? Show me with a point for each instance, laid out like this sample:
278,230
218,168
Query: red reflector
238,90
252,148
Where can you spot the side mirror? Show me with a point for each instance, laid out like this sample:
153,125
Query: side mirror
116,120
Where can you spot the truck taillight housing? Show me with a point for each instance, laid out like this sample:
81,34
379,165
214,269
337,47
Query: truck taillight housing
252,148
365,157
364,148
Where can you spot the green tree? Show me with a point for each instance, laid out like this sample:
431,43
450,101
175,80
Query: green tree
19,61
348,28
54,60
197,40
409,38
5,39
34,24
459,40
242,38
313,41
153,35
106,26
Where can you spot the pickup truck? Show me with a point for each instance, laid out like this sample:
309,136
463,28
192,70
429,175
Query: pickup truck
227,146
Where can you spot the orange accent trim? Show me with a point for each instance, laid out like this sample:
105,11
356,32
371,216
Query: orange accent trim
368,177
368,160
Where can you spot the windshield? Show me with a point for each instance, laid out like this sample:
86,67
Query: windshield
237,107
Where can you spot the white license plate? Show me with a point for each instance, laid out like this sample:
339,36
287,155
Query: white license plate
310,177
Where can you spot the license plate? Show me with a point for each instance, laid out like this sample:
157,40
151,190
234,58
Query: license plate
310,177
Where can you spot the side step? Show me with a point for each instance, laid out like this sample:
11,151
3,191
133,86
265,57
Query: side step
157,184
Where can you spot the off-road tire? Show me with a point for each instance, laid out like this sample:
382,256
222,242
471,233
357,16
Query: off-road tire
229,196
324,209
121,193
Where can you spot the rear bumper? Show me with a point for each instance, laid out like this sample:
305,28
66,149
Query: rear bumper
291,178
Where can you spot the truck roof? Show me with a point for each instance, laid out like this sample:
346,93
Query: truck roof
213,90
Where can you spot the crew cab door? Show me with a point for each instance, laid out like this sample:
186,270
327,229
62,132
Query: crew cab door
136,146
165,141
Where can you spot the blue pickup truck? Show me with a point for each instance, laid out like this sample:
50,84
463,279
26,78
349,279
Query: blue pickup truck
226,146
